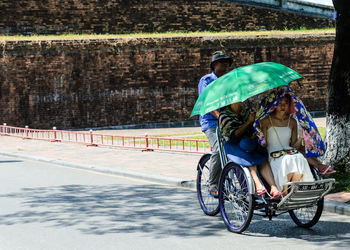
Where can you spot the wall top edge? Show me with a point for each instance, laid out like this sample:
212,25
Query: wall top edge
205,37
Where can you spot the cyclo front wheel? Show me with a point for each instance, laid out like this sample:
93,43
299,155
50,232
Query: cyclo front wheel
235,198
209,204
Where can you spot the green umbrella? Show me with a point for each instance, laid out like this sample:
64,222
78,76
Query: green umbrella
242,83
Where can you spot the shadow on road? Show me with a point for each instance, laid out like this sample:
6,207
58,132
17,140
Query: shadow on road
159,210
10,161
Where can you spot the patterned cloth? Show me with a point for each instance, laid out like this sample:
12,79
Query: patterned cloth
229,122
314,146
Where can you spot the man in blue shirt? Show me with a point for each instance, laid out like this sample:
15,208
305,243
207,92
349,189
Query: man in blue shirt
220,65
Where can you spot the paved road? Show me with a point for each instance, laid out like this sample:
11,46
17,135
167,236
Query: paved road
46,206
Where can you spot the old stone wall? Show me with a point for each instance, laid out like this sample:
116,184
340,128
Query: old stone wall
135,16
94,83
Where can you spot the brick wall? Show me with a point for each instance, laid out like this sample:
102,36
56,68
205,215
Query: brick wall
134,16
93,83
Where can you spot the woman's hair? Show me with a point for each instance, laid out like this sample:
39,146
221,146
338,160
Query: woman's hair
290,102
288,97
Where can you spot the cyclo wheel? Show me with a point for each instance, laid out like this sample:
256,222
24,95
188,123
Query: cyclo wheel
209,204
235,198
308,216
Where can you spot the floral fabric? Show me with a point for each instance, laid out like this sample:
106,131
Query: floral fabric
314,145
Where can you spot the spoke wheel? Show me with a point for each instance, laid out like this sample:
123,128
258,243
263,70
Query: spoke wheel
235,198
308,216
209,204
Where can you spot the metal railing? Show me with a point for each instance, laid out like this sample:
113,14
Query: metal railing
146,143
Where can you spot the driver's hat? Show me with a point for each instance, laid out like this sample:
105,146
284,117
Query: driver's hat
220,55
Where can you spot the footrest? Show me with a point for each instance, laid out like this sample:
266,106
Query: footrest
305,194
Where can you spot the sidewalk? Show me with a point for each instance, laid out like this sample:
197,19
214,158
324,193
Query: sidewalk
163,167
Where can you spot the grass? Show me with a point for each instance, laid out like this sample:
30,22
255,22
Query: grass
322,132
176,135
70,36
190,135
342,179
162,142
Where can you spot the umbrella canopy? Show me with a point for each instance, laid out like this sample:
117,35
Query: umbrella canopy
242,83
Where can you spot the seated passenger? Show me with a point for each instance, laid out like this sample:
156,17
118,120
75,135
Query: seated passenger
235,122
281,132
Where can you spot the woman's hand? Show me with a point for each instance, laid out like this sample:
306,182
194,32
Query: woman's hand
251,117
300,143
240,131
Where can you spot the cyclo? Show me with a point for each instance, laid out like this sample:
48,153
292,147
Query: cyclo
237,200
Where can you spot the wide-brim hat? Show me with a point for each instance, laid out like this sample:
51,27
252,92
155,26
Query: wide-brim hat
220,55
246,152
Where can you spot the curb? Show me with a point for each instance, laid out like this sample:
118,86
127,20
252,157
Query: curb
329,206
337,207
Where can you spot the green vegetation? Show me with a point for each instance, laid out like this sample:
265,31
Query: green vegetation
70,36
179,144
175,143
342,179
322,132
178,135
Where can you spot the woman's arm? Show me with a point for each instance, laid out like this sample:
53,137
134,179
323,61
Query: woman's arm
240,131
231,127
294,142
215,113
264,125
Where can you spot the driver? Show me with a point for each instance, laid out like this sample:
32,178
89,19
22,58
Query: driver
219,65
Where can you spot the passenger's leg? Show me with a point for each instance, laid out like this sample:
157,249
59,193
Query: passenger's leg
285,187
215,165
259,187
297,177
266,173
313,161
323,168
291,177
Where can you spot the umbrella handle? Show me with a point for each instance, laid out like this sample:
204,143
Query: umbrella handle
299,83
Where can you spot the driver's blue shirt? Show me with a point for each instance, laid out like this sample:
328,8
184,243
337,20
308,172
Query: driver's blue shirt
208,120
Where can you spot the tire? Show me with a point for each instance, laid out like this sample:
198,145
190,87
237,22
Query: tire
308,216
235,198
209,204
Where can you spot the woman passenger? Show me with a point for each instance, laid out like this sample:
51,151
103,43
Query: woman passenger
281,133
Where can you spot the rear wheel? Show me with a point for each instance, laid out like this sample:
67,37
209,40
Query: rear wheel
308,216
209,204
235,198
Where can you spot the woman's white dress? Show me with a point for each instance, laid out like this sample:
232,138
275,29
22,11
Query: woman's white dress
286,164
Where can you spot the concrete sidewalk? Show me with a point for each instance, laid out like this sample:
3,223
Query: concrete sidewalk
164,167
